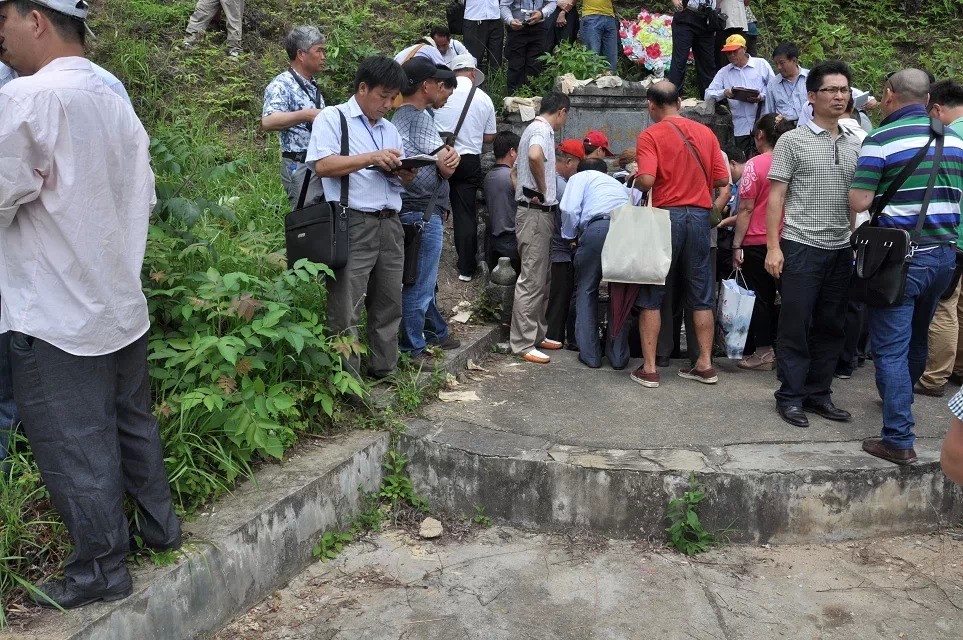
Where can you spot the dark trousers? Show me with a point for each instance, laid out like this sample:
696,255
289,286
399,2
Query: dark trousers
857,337
504,245
89,423
762,327
815,288
485,40
464,189
522,49
554,35
560,317
690,33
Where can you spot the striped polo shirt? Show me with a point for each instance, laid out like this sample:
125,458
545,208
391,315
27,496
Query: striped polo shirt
884,154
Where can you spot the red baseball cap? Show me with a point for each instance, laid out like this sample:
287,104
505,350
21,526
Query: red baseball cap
598,139
572,147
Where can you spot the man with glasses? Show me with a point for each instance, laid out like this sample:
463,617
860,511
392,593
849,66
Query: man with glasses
291,103
812,168
898,333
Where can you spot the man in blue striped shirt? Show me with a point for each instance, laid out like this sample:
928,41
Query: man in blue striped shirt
899,333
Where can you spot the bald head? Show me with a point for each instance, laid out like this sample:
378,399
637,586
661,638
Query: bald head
663,97
910,86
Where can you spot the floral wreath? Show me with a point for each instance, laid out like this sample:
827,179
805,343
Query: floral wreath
648,41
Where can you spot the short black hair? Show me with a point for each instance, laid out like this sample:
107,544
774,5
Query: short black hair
663,96
826,68
735,154
788,49
70,28
593,164
379,71
440,30
947,93
553,102
504,142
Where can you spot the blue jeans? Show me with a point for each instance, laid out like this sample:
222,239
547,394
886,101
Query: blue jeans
898,338
8,408
588,274
601,35
419,314
691,256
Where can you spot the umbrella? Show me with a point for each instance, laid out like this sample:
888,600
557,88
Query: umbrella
621,300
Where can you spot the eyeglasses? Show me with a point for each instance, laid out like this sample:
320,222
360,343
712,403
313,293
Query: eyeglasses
832,91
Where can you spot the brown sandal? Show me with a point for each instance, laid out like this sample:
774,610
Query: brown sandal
755,362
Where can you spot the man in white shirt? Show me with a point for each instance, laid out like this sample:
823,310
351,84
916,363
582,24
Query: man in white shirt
590,197
535,193
484,33
424,48
742,72
447,46
477,128
76,191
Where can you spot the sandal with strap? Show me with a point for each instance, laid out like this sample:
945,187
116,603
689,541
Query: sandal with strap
755,362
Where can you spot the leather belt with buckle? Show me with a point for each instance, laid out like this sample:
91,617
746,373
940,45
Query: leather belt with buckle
382,214
297,156
541,207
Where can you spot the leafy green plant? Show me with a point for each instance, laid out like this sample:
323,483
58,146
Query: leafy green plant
330,545
396,485
686,532
481,518
568,57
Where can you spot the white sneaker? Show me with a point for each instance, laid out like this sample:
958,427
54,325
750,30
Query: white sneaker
537,357
464,278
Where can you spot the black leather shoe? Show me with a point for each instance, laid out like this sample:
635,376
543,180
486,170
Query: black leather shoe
794,416
662,361
67,598
828,410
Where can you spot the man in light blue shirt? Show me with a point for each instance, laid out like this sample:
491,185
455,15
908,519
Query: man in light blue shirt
786,93
742,72
590,197
376,259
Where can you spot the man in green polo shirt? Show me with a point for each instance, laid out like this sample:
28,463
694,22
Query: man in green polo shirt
946,103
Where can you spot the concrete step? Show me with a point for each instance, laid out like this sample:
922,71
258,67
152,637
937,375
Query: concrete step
550,446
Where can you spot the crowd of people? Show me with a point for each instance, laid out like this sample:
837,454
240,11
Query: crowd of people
77,189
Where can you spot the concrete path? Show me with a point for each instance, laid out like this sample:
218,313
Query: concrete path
511,584
568,403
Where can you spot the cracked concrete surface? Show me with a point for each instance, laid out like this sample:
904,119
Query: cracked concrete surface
512,584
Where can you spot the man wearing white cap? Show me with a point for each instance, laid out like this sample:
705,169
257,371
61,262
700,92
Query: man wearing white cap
474,110
76,191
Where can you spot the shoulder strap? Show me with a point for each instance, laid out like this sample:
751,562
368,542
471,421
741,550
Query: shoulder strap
317,94
464,113
411,54
344,178
934,170
936,128
344,151
693,152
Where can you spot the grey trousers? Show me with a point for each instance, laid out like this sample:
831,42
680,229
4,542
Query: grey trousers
372,278
533,231
205,11
89,423
292,177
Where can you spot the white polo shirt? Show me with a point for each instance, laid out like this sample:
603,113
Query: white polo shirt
479,121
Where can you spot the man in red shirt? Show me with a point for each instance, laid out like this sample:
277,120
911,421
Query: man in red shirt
681,162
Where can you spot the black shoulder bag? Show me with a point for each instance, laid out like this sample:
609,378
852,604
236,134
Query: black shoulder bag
319,232
882,254
449,138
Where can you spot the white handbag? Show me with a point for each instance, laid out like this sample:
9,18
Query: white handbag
638,246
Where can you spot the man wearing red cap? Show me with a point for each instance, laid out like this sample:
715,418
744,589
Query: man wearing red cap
560,315
742,72
596,146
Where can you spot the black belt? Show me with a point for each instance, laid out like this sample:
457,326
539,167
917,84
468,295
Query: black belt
297,156
381,214
597,218
550,208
